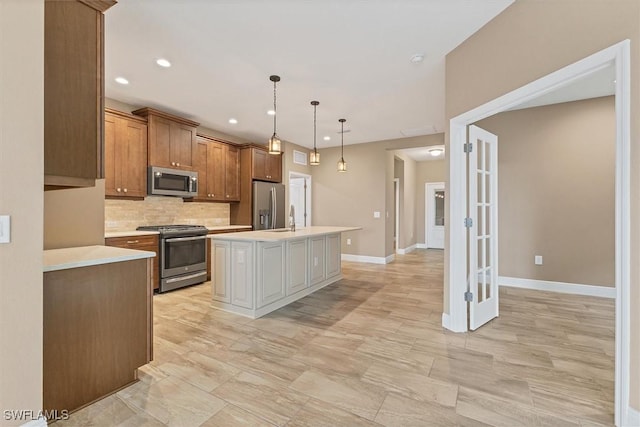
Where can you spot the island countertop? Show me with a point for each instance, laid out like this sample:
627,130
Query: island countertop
282,233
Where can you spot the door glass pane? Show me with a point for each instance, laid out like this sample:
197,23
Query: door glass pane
488,283
479,219
479,181
487,221
487,188
480,286
480,253
487,153
479,145
439,203
487,251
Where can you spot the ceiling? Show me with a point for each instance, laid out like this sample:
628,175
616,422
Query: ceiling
350,55
424,154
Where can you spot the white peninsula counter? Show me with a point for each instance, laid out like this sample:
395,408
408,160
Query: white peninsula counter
257,272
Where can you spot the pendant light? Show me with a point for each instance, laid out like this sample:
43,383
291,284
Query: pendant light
342,165
275,146
314,157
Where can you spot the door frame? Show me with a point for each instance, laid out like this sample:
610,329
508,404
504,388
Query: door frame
307,201
428,207
396,188
455,255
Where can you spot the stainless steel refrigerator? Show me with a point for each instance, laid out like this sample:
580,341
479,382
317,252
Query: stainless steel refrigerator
269,209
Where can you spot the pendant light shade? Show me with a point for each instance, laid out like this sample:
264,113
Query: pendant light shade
314,157
275,146
342,165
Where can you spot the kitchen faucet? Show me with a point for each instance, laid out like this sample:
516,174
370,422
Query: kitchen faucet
292,218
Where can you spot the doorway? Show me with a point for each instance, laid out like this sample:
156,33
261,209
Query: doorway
456,320
434,220
300,198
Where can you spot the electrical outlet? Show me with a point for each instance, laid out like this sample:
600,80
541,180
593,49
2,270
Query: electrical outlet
348,241
538,259
5,229
376,214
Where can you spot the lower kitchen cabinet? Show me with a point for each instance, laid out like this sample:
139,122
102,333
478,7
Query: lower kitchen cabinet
334,255
317,259
142,243
270,273
221,274
297,265
242,274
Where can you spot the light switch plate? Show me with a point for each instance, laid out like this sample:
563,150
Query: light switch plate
348,241
376,214
5,229
538,259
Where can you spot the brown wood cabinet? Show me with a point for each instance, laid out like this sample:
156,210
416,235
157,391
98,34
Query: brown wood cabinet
172,139
255,164
149,243
218,166
73,92
97,330
125,159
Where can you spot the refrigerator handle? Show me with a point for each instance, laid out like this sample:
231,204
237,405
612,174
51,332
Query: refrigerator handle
274,205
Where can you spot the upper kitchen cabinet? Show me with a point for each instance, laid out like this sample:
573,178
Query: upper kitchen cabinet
218,166
73,92
125,160
172,139
265,166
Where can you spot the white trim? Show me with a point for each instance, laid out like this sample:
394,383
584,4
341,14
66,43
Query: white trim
368,259
396,187
40,422
632,418
421,245
428,207
408,249
562,287
446,321
456,252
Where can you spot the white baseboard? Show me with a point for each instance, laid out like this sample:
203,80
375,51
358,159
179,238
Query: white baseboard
368,259
407,250
565,288
632,418
446,321
421,245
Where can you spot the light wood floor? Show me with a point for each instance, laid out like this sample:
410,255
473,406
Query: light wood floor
369,351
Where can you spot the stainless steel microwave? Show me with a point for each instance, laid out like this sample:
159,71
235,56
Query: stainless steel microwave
172,182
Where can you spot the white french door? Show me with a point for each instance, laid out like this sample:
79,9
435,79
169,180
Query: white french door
483,226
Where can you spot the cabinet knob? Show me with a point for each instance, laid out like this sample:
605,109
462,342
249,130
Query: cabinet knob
173,163
118,190
125,190
213,195
177,164
227,196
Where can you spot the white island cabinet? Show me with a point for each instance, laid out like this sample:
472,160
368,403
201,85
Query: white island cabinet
257,272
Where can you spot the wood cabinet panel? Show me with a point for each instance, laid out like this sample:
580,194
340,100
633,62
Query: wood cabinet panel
142,243
265,166
216,171
232,173
73,94
97,331
181,145
200,165
160,142
125,155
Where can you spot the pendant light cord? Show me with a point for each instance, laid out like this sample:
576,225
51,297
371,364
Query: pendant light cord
274,107
314,127
342,140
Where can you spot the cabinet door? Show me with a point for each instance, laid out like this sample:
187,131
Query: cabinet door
232,173
317,259
297,274
182,145
242,274
159,142
111,180
215,170
334,255
221,265
132,138
271,272
200,165
274,167
259,164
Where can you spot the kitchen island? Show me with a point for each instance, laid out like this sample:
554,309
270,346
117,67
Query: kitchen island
257,272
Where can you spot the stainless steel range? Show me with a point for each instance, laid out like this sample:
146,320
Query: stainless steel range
183,255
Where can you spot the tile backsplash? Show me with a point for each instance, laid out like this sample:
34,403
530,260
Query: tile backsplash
126,215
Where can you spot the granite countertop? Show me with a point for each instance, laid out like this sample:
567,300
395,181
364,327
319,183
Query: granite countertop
85,256
283,234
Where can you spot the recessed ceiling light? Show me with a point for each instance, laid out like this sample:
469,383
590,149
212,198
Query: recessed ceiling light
271,113
435,152
327,138
163,63
122,80
233,121
418,57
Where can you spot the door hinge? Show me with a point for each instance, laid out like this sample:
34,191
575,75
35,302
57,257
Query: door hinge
468,147
468,296
468,222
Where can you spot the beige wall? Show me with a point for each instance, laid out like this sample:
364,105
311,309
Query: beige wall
21,184
533,38
556,191
351,198
427,171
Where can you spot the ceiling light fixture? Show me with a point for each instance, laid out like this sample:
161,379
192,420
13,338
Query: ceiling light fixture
274,142
342,165
435,152
327,138
314,157
233,121
417,58
163,62
122,80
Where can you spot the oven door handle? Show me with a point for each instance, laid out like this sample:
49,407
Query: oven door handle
190,276
185,239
